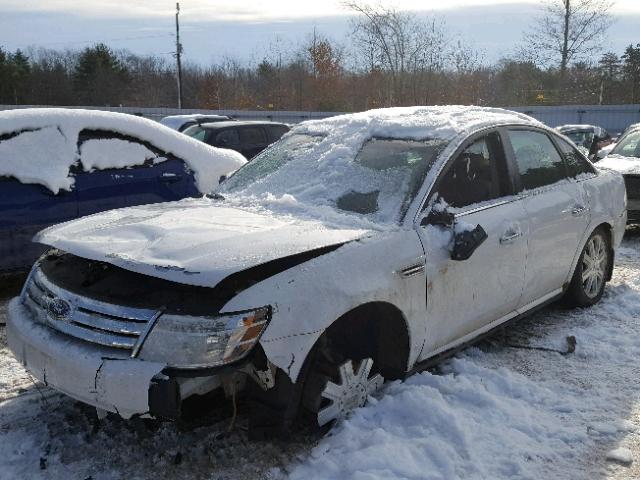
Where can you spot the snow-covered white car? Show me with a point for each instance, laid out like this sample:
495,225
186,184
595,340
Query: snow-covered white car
356,249
624,158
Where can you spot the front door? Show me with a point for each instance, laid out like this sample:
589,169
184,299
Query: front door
467,297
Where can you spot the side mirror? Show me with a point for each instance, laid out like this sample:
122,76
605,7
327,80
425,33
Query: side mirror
466,242
222,178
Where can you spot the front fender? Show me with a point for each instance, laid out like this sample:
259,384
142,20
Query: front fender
307,298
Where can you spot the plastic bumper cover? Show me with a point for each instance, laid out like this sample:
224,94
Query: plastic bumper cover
89,373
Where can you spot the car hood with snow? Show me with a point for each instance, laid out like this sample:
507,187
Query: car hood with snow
49,138
195,242
623,165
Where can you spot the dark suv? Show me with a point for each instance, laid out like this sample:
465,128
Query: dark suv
248,137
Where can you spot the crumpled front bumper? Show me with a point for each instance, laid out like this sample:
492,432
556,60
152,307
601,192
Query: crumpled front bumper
86,372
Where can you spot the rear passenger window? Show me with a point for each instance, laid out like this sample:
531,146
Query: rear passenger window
538,161
277,131
478,174
253,136
227,137
575,162
103,150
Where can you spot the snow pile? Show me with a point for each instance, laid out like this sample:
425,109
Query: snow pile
46,145
506,412
622,455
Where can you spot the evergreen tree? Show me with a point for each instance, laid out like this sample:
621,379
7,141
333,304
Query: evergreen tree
20,73
99,78
631,70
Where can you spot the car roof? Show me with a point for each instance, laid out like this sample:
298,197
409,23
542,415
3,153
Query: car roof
417,123
238,123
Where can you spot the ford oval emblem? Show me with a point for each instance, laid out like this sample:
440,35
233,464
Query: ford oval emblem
59,309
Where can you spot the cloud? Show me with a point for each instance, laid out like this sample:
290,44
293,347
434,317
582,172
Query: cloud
247,10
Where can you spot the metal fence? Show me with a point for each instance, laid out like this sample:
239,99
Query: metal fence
614,118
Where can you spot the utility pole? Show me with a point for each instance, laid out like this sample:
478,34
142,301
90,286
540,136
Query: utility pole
178,54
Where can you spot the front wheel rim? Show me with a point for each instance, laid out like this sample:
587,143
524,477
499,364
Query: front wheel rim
594,266
351,393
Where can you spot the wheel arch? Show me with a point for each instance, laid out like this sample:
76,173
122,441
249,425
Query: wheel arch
377,329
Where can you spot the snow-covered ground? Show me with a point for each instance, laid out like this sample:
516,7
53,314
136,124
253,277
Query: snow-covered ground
495,411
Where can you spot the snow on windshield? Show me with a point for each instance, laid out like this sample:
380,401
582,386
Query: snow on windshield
39,145
378,181
368,163
113,153
625,157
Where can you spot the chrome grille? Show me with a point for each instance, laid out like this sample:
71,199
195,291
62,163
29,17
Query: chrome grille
87,319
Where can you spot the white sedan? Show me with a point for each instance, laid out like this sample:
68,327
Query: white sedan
356,249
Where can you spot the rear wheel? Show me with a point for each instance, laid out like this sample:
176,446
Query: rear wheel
592,269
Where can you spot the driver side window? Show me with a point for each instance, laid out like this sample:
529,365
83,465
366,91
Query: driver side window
478,174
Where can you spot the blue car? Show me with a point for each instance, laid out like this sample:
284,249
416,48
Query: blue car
58,164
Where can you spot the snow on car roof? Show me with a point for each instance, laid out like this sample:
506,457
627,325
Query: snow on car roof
417,123
564,128
52,145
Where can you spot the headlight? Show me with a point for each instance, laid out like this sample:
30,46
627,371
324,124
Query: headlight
183,341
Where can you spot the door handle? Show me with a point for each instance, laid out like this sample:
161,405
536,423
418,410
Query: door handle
576,210
170,178
510,237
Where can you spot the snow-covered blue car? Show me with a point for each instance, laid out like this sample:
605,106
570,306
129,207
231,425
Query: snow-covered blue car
57,165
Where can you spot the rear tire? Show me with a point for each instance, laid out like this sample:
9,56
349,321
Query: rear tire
592,270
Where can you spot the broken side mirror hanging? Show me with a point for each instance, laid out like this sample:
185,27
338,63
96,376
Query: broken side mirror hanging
466,242
439,214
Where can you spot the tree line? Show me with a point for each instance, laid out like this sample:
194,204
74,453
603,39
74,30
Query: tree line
392,58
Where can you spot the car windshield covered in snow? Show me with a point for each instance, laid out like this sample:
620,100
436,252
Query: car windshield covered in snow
379,181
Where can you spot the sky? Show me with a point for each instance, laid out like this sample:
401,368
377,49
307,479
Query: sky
247,30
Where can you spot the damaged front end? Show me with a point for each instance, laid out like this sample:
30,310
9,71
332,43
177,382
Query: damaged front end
129,343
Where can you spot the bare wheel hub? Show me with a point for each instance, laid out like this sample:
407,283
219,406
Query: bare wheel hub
352,391
594,266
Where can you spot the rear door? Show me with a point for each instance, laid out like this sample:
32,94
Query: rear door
117,171
466,297
557,209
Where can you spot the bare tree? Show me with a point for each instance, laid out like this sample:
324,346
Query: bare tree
396,43
568,30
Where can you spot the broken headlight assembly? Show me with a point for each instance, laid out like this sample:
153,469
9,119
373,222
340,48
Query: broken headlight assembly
183,341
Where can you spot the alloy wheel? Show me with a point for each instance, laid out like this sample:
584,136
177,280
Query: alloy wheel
594,266
352,391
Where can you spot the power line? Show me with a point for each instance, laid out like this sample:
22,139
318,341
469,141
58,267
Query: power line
121,39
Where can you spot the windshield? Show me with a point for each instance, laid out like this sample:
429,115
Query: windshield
378,181
581,138
629,145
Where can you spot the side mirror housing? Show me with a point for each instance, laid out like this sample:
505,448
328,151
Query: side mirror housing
466,242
